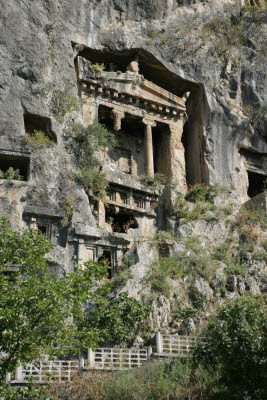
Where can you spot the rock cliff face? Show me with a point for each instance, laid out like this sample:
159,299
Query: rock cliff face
210,53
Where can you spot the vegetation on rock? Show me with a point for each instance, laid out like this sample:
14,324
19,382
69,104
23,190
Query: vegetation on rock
11,174
118,321
63,102
197,203
67,206
39,139
157,181
86,143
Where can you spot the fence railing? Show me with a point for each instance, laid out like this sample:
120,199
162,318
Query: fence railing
40,371
174,345
103,359
117,358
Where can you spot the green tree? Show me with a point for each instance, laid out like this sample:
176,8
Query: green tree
36,307
235,349
118,320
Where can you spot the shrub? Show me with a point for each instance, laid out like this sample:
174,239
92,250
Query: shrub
157,181
98,67
85,143
197,298
67,206
193,242
162,270
165,236
184,313
153,381
222,252
63,102
11,174
120,278
180,208
251,216
228,210
122,274
39,139
234,267
203,265
159,282
203,193
247,221
260,255
228,33
31,392
93,178
118,320
200,210
234,350
202,197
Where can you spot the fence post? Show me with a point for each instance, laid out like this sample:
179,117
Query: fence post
81,363
149,354
159,342
91,357
18,373
8,377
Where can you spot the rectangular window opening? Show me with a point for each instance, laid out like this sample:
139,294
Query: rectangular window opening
14,167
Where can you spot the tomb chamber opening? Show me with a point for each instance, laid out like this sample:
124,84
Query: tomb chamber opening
256,183
120,221
37,123
106,258
14,166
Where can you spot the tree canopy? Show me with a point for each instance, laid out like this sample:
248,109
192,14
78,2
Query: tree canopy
235,348
38,311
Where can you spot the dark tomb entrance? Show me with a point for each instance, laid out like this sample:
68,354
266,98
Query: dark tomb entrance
256,183
106,258
14,167
120,222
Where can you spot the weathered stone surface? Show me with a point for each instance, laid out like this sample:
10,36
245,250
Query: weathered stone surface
222,81
259,201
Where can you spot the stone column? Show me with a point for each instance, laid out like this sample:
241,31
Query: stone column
148,145
117,116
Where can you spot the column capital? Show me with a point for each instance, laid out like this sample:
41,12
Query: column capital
150,122
117,116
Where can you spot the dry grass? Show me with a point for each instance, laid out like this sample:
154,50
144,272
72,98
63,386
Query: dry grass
248,223
155,381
